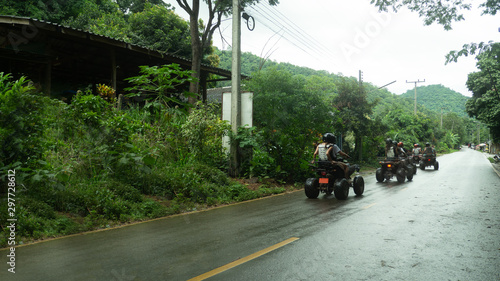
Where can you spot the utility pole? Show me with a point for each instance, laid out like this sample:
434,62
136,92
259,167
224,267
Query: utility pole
235,87
441,118
478,138
360,140
418,81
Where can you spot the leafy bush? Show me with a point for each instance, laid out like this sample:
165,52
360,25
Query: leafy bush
158,84
100,166
203,132
21,121
290,118
89,109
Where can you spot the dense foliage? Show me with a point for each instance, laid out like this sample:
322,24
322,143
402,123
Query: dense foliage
484,84
366,119
288,119
439,98
88,165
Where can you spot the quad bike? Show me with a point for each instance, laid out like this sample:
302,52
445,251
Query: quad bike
394,167
429,159
331,178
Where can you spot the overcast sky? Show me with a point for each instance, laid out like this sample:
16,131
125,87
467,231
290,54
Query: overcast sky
343,37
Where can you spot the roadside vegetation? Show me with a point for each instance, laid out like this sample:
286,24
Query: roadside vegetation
87,165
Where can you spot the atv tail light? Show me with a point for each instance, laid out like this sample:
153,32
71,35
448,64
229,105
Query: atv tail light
323,173
389,165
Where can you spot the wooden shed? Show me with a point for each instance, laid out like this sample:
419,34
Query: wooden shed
60,58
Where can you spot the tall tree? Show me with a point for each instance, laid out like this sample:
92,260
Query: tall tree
159,28
484,84
136,6
216,9
290,117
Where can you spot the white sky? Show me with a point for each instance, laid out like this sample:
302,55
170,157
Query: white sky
343,37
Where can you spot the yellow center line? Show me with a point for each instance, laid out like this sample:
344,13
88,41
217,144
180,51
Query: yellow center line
369,206
243,260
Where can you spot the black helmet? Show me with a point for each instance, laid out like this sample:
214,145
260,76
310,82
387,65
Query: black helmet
427,144
330,138
388,141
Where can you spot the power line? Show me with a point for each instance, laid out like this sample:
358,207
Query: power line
279,24
297,28
265,15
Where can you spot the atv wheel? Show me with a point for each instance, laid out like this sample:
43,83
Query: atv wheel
409,172
400,175
436,165
414,169
379,175
422,165
409,176
311,188
358,185
341,189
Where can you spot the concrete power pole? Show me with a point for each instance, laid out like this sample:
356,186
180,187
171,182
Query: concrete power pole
441,127
360,140
415,106
235,87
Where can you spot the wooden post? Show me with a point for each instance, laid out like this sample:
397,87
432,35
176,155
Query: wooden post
113,69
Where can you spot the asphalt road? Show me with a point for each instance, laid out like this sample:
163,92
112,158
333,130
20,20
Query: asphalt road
443,225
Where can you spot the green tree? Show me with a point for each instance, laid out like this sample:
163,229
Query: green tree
159,28
92,13
484,84
159,85
52,11
354,110
319,84
201,34
290,118
137,6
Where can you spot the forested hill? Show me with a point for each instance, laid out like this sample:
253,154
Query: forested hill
435,97
432,97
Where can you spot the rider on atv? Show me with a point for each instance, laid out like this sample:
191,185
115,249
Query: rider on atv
328,151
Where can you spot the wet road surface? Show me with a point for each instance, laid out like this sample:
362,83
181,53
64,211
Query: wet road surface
443,225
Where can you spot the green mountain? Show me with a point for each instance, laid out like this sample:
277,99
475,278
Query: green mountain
437,97
429,98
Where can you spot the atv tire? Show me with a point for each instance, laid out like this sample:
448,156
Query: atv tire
358,184
400,175
311,188
436,165
409,172
379,175
341,189
422,165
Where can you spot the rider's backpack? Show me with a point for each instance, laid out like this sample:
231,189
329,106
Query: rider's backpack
390,152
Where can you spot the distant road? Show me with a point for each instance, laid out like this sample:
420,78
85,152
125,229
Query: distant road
444,225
